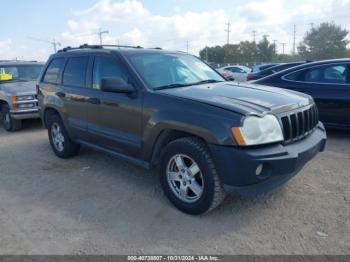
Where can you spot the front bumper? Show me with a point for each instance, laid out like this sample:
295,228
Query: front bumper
237,166
20,114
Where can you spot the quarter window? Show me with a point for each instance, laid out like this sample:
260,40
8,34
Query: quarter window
75,71
53,71
105,67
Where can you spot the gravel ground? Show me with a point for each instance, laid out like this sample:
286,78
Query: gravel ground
95,204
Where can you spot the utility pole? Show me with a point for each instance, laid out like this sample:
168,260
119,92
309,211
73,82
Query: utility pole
274,46
206,54
283,45
53,42
228,32
187,44
294,32
100,33
254,34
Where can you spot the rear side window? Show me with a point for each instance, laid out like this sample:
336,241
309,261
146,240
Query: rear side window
327,74
297,76
75,71
53,71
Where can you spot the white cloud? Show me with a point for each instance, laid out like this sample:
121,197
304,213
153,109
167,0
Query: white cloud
130,23
5,48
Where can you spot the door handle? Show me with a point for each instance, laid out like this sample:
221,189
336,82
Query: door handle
61,94
94,101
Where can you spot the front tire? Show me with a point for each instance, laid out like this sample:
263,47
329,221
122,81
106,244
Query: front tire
60,141
189,178
8,122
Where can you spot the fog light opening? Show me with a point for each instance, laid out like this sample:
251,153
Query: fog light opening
259,169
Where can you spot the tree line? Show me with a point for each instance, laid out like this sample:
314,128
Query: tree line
325,41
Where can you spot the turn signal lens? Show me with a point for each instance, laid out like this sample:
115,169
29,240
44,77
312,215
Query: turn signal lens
236,131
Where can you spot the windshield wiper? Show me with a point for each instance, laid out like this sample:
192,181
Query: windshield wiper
189,84
171,86
207,81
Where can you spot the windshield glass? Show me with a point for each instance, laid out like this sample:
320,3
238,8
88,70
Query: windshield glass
19,73
167,70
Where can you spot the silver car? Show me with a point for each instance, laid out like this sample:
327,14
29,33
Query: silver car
18,92
239,73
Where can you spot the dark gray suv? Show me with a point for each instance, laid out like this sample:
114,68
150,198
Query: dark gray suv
170,110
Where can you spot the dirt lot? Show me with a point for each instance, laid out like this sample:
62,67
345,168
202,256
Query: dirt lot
95,204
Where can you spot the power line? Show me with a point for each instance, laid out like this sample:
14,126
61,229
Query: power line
294,32
228,32
100,33
206,54
274,45
283,45
254,35
53,43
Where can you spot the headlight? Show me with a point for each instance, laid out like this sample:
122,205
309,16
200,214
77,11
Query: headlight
23,98
258,130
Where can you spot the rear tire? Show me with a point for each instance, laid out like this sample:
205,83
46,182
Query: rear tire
60,141
8,122
191,184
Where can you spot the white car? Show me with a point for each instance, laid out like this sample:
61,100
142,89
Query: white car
239,72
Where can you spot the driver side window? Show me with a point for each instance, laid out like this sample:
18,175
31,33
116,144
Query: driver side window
105,67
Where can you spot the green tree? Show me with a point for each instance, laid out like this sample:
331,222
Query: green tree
215,54
266,51
232,54
248,51
324,42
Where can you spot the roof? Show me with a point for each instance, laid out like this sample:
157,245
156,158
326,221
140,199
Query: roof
111,48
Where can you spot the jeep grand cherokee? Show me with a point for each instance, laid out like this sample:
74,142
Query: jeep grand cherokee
169,110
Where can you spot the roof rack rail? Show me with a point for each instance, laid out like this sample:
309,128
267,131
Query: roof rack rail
69,48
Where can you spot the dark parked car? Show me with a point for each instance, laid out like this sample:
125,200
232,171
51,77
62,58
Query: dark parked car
17,92
170,110
258,68
328,82
271,70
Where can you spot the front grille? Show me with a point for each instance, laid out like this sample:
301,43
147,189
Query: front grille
299,123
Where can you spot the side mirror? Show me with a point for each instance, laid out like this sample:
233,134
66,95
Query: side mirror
116,85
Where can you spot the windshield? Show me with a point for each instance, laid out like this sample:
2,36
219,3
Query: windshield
169,70
19,73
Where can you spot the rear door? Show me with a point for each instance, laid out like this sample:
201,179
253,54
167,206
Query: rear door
114,118
330,88
74,94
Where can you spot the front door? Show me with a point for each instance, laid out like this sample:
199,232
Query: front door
114,118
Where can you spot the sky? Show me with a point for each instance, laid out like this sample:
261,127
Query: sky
186,25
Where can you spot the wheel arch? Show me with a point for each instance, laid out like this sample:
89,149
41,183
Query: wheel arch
2,103
47,112
165,137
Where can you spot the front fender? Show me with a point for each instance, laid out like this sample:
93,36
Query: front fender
213,128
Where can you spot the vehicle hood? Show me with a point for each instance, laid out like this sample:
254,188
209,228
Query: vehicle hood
18,88
243,98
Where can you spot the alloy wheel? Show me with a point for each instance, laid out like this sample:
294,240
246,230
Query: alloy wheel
57,137
185,178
